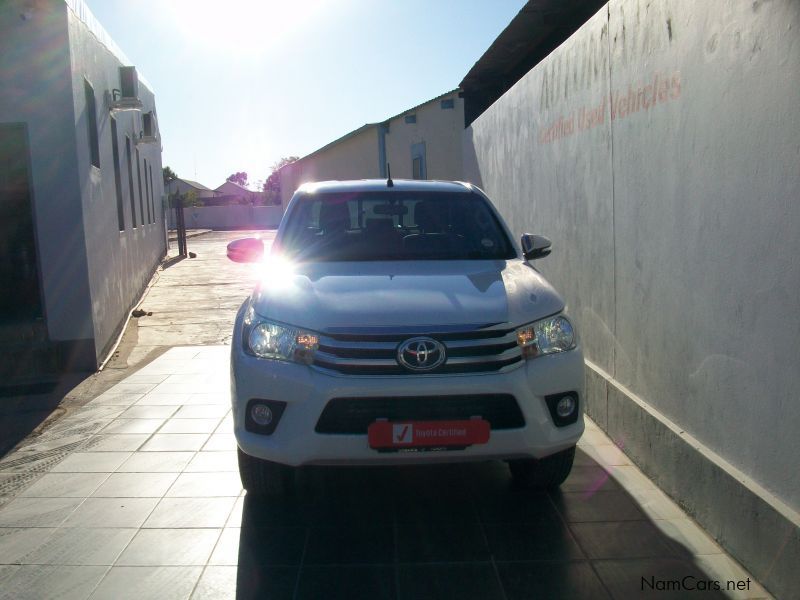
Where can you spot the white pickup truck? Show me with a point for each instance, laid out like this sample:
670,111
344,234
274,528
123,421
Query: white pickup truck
396,322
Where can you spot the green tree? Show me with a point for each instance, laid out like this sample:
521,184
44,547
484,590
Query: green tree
239,177
169,175
272,186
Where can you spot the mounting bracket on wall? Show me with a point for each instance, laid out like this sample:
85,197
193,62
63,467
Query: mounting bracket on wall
127,97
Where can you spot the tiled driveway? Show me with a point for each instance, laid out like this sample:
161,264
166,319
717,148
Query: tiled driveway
146,503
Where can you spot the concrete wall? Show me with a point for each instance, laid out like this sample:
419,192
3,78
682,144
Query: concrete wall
438,129
230,217
658,147
37,90
120,263
355,157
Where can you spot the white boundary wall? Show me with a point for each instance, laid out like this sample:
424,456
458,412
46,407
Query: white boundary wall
230,217
659,147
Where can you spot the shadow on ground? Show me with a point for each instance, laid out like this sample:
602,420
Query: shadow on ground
455,531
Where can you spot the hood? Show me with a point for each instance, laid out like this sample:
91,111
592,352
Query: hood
327,297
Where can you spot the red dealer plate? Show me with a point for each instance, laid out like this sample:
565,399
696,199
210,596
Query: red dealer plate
422,434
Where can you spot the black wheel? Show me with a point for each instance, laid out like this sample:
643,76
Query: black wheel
262,477
545,473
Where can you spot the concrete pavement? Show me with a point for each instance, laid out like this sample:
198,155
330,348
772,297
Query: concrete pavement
134,493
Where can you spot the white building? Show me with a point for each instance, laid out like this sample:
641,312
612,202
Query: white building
81,218
423,142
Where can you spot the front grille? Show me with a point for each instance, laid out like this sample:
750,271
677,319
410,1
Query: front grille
354,415
473,351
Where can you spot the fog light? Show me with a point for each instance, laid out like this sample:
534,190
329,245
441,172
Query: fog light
565,406
261,414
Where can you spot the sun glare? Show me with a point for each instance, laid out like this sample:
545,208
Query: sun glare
277,272
242,27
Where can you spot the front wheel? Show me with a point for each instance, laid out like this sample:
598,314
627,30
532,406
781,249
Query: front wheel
262,477
545,473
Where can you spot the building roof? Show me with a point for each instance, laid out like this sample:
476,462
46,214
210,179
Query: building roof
538,29
366,126
239,185
194,184
85,15
379,185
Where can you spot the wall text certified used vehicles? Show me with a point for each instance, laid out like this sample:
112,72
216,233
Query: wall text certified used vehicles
398,323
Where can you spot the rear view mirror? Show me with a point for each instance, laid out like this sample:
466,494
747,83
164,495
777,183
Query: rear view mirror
246,250
535,246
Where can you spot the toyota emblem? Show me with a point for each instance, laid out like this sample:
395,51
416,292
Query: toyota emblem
421,354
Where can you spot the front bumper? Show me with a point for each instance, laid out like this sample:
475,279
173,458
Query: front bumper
307,390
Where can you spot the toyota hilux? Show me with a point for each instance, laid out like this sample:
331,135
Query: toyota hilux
396,322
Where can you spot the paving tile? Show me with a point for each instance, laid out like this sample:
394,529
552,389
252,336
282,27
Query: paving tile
348,545
656,504
135,485
6,571
434,508
144,377
222,398
420,542
724,569
226,426
17,543
162,399
202,411
175,442
190,426
64,485
156,462
213,462
687,537
206,484
37,512
117,442
150,412
545,540
273,583
39,582
217,583
132,388
220,441
91,462
653,578
599,506
170,547
115,400
625,539
563,580
463,581
376,583
505,506
589,479
137,583
133,426
174,513
254,547
78,546
111,512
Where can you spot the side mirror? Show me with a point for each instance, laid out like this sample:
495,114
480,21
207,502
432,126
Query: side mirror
246,250
535,246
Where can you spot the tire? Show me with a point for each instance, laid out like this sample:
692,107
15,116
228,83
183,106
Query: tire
543,474
264,478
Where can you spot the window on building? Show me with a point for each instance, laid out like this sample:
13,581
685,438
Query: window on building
139,177
91,121
152,194
117,174
448,103
411,119
130,180
147,194
418,167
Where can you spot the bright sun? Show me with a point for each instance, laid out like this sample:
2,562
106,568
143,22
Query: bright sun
242,27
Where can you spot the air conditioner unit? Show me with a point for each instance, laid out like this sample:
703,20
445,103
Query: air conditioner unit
149,132
127,96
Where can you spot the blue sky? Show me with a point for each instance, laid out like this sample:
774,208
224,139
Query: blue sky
241,83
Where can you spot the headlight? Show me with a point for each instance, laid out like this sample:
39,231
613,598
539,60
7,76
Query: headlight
548,336
277,341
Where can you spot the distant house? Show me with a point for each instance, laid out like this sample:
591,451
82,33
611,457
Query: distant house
81,217
238,194
183,186
423,142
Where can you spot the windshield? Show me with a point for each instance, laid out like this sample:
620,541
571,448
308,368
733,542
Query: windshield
370,226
